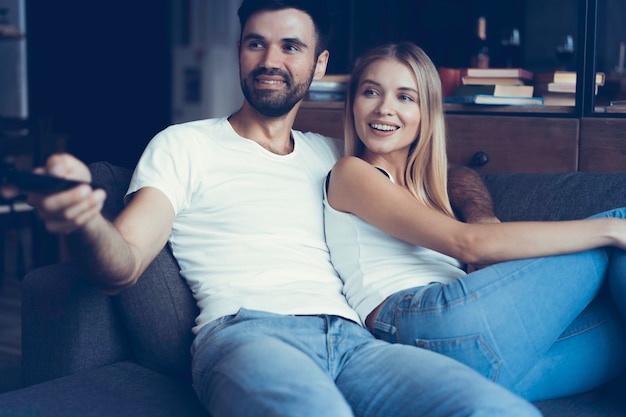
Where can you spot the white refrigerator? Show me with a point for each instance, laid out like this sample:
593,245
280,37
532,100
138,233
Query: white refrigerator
13,70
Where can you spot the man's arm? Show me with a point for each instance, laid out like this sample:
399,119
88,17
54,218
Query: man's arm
469,196
470,199
115,254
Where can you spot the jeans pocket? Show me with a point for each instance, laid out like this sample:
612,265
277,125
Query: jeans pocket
473,351
210,329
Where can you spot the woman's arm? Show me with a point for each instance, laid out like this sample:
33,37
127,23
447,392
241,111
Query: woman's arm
357,187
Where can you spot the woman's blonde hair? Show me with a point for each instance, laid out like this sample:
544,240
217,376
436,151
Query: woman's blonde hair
426,173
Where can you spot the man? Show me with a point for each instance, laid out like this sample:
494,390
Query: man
239,200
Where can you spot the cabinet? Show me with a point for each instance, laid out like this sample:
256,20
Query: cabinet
505,143
321,117
513,144
602,145
587,137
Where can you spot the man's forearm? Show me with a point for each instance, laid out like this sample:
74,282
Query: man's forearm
104,255
469,196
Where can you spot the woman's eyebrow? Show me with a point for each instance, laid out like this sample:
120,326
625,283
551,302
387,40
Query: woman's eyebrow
368,81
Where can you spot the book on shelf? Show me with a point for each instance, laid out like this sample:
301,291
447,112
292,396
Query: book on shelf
557,87
329,88
466,80
488,99
520,73
339,78
337,83
564,77
616,106
559,99
326,95
498,90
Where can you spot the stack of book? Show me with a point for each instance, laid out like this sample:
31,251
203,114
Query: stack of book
558,88
495,86
481,76
616,106
329,88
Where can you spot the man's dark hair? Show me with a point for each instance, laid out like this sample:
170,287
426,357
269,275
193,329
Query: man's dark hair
318,10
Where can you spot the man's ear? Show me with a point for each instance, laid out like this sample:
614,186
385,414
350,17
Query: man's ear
321,64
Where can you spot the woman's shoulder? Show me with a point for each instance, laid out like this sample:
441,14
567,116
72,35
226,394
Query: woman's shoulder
350,163
355,167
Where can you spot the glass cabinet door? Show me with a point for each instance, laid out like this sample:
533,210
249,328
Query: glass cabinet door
586,38
610,53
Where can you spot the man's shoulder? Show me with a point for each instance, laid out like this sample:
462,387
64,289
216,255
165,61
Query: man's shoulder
193,131
200,125
320,142
313,136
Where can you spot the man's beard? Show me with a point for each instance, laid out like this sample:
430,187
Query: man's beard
273,103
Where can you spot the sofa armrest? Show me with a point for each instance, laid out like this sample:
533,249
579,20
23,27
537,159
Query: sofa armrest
67,325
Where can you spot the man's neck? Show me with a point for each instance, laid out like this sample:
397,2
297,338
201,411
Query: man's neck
272,133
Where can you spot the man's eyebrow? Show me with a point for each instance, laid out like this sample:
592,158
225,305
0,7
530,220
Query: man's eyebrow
252,35
256,36
295,41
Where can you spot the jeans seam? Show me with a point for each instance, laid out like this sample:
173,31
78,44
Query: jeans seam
583,329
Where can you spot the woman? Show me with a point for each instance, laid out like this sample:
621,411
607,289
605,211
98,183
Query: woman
539,320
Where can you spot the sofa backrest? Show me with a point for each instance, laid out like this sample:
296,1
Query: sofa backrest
159,311
567,196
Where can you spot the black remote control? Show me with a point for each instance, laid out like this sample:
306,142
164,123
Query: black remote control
31,182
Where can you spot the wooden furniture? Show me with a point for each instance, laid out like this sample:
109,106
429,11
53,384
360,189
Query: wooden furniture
602,145
590,136
513,144
321,117
510,143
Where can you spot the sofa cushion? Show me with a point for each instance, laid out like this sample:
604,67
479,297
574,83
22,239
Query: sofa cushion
159,311
67,325
607,401
123,389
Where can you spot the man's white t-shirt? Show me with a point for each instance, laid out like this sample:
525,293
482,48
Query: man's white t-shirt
248,231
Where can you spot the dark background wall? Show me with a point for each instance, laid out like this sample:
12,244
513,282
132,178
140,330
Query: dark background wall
101,71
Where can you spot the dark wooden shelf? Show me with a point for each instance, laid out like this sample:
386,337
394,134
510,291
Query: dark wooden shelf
529,139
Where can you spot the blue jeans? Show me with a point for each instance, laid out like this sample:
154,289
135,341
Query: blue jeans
542,327
262,364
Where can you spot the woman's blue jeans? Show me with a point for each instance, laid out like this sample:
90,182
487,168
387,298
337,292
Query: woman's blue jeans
542,327
263,364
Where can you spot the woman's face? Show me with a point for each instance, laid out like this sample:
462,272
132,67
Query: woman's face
386,109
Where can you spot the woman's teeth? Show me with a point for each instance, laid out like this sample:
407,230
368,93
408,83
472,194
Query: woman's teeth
384,128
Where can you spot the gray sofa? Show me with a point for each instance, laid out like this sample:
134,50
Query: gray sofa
87,354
